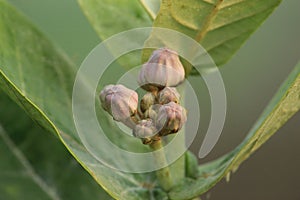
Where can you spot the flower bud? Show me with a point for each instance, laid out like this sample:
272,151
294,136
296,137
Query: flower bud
167,95
119,101
171,118
147,101
152,112
145,130
162,69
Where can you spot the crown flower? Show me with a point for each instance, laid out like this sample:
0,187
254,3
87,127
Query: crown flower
160,112
119,101
145,130
171,118
162,69
167,95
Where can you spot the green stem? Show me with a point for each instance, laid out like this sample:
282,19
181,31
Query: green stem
163,175
177,168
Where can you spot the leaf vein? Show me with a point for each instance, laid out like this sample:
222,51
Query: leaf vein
51,192
231,23
240,19
202,33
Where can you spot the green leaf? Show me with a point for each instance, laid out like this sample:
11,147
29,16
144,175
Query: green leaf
39,77
282,107
151,6
35,165
191,165
220,26
109,17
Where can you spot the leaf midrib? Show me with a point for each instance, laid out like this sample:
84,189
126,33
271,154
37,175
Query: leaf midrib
30,171
202,33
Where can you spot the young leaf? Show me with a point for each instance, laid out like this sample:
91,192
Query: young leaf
40,79
220,26
35,165
283,106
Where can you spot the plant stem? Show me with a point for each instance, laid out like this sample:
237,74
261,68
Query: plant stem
177,168
163,175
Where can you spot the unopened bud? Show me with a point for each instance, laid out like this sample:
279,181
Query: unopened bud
119,101
167,95
147,101
162,69
145,130
152,112
171,118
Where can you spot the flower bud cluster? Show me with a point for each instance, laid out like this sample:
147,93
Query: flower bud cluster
160,113
165,114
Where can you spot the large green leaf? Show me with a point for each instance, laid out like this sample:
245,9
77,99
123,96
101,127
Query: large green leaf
110,17
221,26
151,6
34,165
282,107
40,78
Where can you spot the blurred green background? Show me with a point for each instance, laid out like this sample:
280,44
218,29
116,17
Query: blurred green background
251,79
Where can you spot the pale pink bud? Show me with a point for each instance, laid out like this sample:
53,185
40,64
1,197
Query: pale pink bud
119,101
162,69
167,95
145,130
171,118
147,101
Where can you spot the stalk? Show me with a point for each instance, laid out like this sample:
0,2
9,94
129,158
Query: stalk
178,167
175,172
163,175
